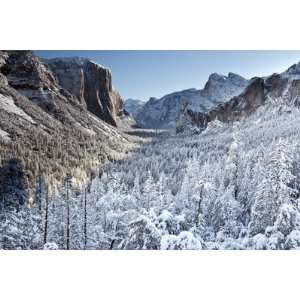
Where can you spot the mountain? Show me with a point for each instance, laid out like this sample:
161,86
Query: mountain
278,87
133,106
163,112
91,84
48,131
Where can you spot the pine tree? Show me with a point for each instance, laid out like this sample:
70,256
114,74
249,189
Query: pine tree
68,190
13,238
274,190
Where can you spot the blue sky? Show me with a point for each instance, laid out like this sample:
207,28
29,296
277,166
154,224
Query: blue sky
144,74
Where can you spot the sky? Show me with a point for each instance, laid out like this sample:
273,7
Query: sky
144,74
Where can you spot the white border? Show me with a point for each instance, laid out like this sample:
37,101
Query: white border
149,24
149,275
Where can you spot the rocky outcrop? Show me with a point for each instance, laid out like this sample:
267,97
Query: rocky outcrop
25,72
91,84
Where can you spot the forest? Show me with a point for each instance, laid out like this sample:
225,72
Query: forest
233,186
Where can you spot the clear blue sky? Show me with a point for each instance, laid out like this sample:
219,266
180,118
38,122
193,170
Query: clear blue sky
143,74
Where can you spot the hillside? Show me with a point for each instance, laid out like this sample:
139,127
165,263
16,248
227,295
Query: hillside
46,131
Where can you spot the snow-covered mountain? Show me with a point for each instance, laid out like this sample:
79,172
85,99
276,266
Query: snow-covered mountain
282,87
293,72
133,106
163,112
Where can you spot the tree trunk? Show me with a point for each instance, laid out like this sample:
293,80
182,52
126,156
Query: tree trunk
199,211
68,217
46,216
85,220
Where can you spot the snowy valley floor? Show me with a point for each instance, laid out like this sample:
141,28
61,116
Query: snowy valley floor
234,186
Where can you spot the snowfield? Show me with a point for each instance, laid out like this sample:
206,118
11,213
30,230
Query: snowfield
4,136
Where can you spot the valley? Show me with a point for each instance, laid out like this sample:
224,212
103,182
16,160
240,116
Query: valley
216,168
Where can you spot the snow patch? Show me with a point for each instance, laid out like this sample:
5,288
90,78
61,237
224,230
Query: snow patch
7,103
4,136
184,241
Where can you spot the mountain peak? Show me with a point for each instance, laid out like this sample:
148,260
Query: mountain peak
292,72
216,77
231,78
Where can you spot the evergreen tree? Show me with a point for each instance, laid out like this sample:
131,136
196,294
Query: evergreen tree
274,190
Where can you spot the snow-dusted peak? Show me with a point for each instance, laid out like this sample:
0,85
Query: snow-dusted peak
292,72
232,78
220,88
133,106
216,77
236,79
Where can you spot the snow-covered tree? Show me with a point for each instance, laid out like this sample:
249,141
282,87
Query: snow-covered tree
274,190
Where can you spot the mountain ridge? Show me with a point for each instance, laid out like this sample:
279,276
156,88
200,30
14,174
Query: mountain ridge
284,86
163,112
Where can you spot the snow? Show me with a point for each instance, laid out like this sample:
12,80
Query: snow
133,106
4,136
260,242
293,240
79,61
235,186
50,246
7,104
87,131
151,199
292,72
163,112
184,241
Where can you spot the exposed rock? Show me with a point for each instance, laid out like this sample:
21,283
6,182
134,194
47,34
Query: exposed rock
133,106
164,112
91,83
278,87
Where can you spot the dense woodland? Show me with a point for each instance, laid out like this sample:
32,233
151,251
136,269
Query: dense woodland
234,186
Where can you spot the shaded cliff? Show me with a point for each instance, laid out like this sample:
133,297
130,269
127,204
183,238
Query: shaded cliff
91,84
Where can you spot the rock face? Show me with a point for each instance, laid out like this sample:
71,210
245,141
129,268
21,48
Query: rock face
45,130
91,84
277,87
133,106
164,112
229,111
24,72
